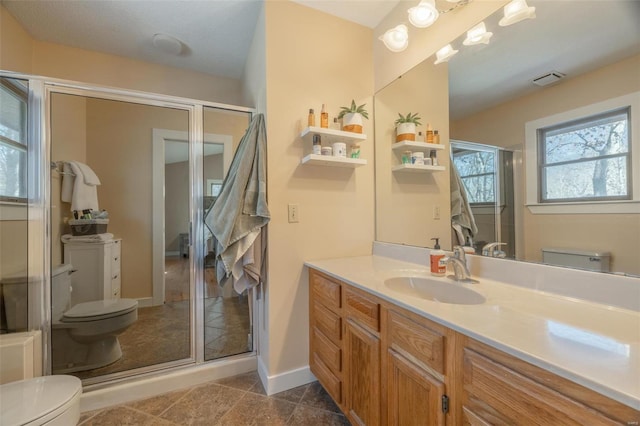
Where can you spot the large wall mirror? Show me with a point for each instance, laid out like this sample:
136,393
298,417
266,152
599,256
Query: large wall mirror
485,121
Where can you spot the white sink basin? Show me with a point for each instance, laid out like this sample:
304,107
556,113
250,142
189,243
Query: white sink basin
439,291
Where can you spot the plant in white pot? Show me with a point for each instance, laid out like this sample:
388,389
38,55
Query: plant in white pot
352,117
406,127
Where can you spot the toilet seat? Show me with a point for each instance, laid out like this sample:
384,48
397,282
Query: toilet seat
99,310
40,400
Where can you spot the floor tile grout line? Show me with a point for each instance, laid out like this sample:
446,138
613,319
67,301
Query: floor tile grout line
147,414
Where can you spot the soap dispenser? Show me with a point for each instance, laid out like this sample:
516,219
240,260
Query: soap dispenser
437,260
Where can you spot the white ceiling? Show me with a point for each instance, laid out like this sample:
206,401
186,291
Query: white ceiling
571,37
216,34
567,36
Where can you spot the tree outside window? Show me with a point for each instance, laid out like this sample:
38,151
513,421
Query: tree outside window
587,159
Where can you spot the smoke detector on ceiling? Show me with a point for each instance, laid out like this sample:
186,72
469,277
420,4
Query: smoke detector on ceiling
548,78
167,44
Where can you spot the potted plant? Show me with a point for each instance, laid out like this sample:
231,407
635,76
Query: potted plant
352,117
406,127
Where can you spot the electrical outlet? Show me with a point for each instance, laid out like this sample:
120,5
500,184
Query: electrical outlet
294,213
436,212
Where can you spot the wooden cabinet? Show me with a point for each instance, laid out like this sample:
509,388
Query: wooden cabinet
98,267
325,340
362,378
415,371
414,395
384,365
501,389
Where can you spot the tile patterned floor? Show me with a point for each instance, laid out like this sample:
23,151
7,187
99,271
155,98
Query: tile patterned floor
234,401
161,333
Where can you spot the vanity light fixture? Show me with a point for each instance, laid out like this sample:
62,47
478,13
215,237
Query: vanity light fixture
516,11
477,35
396,39
444,54
424,14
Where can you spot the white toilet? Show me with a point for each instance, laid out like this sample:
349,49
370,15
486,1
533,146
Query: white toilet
85,336
49,400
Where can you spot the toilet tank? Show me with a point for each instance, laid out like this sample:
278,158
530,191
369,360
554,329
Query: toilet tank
21,355
590,260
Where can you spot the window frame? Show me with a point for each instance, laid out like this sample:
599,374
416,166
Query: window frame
594,119
23,94
630,204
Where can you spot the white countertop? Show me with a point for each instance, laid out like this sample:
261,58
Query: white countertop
595,345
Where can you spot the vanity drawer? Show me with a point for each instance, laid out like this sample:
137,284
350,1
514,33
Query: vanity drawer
421,342
326,289
328,380
326,321
364,310
330,354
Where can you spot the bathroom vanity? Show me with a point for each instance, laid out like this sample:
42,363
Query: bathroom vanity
520,357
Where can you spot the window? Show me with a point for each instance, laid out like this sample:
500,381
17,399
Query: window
588,159
13,141
477,171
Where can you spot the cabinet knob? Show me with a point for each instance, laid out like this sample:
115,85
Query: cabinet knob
115,258
115,276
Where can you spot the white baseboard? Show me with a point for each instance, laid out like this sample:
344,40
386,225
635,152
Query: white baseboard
161,382
145,302
171,253
284,381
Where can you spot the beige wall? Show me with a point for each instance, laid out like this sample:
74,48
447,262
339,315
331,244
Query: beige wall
13,247
119,150
309,63
16,45
176,203
504,125
424,42
68,143
410,198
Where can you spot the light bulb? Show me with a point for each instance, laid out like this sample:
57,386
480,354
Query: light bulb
477,35
516,11
444,54
424,14
396,39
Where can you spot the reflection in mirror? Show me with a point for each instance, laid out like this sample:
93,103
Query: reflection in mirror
492,99
487,175
13,205
104,156
227,314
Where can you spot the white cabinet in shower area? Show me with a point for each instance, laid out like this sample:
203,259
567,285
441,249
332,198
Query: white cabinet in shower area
97,266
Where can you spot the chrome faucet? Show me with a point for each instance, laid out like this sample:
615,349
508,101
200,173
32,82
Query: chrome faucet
460,269
493,250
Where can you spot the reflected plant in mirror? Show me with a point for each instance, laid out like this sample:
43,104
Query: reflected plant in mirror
544,110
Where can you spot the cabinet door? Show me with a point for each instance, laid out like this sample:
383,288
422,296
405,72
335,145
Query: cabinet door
414,395
362,375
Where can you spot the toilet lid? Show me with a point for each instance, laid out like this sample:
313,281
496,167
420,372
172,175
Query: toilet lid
99,309
27,401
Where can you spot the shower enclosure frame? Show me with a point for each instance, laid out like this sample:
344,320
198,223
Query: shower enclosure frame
39,211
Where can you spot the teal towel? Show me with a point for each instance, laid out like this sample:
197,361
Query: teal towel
240,211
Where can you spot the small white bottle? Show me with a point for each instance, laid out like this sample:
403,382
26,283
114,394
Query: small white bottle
317,145
436,260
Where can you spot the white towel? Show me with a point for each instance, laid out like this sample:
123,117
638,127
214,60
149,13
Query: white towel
85,197
90,178
96,238
66,193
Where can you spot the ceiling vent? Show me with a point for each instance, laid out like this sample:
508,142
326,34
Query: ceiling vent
549,78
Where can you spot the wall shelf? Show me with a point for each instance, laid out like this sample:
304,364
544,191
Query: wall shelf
412,168
331,161
332,135
417,146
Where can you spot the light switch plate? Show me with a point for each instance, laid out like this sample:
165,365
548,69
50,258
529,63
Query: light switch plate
294,213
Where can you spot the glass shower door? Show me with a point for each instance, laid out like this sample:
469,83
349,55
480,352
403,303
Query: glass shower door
227,314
